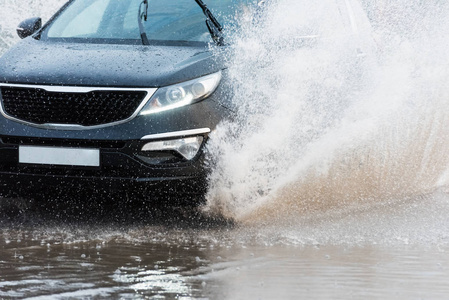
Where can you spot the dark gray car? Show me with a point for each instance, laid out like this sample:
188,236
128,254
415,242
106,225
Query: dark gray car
113,94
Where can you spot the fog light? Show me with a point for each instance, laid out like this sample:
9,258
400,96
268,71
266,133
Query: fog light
187,147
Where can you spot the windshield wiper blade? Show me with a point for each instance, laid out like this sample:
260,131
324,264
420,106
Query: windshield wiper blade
144,15
213,25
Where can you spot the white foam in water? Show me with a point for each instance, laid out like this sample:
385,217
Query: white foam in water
320,127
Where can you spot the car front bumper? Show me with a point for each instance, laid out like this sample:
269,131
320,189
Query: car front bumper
124,163
122,167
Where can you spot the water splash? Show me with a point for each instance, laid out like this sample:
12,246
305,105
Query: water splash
337,121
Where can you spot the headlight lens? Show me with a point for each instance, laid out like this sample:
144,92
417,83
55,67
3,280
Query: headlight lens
187,147
182,94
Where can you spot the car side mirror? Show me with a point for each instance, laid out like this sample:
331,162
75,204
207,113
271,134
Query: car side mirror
28,27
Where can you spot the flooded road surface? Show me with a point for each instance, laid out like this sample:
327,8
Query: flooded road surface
394,251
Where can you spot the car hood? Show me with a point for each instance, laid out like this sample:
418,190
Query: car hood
56,63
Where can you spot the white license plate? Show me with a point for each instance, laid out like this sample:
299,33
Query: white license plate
59,156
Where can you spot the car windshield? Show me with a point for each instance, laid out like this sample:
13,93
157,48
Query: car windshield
117,21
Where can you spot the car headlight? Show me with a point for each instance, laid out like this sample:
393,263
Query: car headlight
182,94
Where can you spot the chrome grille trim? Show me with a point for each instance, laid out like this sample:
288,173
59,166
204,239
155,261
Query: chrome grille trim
75,89
176,134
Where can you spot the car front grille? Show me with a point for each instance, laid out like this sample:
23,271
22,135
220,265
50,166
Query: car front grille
90,108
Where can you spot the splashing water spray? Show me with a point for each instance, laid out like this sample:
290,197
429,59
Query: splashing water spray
328,120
